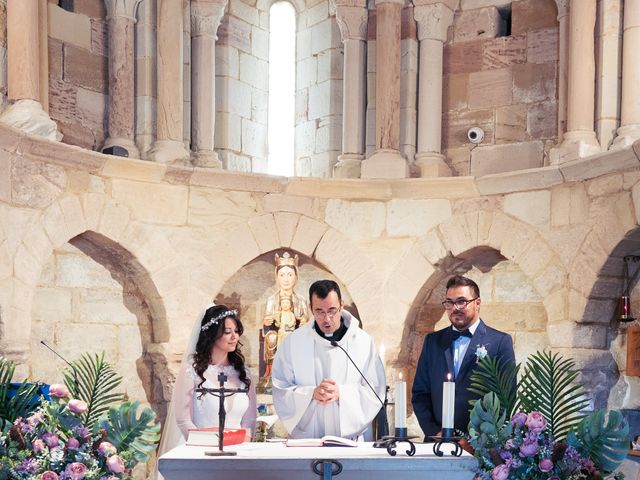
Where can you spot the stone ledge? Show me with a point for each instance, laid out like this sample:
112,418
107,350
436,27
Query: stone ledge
340,188
444,187
248,182
600,164
519,180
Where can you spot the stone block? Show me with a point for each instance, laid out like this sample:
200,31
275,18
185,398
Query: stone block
514,287
305,139
455,92
529,15
325,35
303,44
462,58
511,124
318,13
85,69
265,232
81,271
114,220
302,106
455,126
233,96
527,343
571,335
287,224
542,120
228,131
254,138
55,60
329,135
606,185
227,61
325,99
482,23
306,72
90,8
569,205
308,235
408,276
104,306
205,205
534,83
41,183
234,162
276,202
155,203
234,33
342,258
322,163
74,338
490,88
542,45
91,104
254,71
259,106
100,39
26,266
503,158
531,207
407,217
358,220
244,11
330,65
260,43
504,51
70,28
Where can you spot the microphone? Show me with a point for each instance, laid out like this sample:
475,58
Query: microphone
75,373
336,344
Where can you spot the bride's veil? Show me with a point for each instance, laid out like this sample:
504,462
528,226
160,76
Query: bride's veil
171,434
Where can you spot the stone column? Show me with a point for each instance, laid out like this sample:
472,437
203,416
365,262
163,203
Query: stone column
205,19
563,62
629,130
169,146
580,139
23,59
121,122
433,18
352,20
387,162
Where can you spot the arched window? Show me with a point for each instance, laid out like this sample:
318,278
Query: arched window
282,70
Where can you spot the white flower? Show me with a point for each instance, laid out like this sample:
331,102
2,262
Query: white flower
481,352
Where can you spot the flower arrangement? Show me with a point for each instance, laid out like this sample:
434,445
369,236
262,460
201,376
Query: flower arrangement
534,429
77,434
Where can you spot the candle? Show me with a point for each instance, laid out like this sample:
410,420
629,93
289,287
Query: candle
448,405
401,408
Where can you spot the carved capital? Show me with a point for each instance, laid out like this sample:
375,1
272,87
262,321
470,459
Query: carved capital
450,4
352,22
563,8
206,17
433,21
347,3
122,8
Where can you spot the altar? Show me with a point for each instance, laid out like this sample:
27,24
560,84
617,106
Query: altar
274,461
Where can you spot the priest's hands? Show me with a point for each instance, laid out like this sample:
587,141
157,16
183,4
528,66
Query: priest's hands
327,391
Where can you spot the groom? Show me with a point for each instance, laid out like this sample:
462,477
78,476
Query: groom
455,350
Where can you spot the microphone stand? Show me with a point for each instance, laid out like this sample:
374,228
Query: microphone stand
221,393
72,366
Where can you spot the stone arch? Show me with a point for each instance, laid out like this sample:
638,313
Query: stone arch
265,5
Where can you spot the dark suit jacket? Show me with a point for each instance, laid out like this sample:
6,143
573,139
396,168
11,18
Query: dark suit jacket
436,360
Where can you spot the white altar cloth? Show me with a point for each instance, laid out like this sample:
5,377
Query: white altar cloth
275,461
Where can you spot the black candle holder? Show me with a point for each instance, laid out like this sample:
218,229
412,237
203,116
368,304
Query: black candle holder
447,437
221,393
390,442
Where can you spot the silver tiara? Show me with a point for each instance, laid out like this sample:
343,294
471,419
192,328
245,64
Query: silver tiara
215,320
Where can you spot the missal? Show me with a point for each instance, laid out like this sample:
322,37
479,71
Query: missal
208,437
326,441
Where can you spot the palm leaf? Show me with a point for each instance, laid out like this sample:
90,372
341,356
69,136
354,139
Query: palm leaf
548,385
22,402
127,431
494,375
93,380
603,440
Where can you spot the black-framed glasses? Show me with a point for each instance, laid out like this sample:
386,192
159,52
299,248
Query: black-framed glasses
321,314
459,304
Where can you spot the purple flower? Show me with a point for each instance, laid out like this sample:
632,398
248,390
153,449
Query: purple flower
73,443
48,475
536,422
82,432
115,464
36,419
38,445
509,444
28,465
75,471
58,390
528,449
519,419
545,465
106,449
505,455
501,472
51,439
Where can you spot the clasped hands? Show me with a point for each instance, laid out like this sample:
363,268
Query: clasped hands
326,392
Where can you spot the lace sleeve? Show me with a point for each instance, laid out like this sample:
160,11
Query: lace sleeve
183,398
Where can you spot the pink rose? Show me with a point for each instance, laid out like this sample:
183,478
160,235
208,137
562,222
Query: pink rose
536,422
519,419
77,406
76,471
545,465
48,475
529,449
501,472
58,390
38,445
73,443
51,439
106,449
115,464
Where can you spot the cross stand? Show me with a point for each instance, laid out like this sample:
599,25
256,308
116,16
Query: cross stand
390,442
221,393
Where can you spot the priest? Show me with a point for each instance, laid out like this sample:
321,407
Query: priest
317,390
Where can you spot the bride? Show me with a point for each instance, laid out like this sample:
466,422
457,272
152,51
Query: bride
214,347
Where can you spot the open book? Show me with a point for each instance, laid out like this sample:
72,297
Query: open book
208,437
326,441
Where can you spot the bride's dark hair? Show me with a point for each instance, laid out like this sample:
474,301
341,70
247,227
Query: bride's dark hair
213,330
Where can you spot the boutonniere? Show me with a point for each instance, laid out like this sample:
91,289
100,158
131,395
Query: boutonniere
481,352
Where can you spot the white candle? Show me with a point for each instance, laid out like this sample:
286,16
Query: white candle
401,403
448,402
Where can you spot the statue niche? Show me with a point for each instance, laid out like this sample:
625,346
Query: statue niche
284,312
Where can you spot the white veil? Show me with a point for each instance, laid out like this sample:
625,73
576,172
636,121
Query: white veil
171,434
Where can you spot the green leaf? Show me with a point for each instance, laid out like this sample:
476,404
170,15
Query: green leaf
493,375
93,379
22,403
548,385
127,431
604,440
487,417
